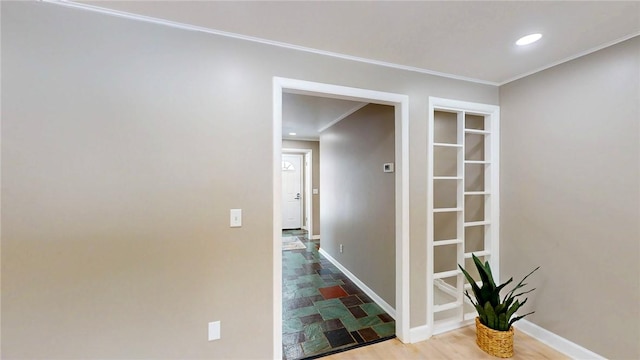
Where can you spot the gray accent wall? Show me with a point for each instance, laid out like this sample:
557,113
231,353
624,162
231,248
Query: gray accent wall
124,145
358,198
570,197
315,168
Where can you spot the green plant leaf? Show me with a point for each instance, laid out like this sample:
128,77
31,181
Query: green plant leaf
518,318
513,309
503,325
466,293
492,319
493,312
474,286
487,269
485,276
481,314
503,285
521,283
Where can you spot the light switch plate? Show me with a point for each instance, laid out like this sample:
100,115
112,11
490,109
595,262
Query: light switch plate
214,330
315,191
235,218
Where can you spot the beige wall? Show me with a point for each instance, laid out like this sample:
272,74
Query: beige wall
315,183
358,198
570,199
124,145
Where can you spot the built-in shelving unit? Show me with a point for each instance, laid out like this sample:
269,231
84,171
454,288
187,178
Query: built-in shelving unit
463,205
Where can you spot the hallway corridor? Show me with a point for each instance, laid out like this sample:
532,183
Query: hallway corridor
323,311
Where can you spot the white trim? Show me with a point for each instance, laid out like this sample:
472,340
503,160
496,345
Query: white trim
446,326
401,105
555,341
297,138
307,159
545,336
206,30
315,237
367,290
446,288
419,333
493,114
570,58
308,185
277,222
301,204
343,116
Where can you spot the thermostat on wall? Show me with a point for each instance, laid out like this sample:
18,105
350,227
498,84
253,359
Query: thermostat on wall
388,167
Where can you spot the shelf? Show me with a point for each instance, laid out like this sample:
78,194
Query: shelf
476,131
448,145
447,306
464,150
446,274
447,178
477,193
477,223
447,242
477,253
441,210
477,162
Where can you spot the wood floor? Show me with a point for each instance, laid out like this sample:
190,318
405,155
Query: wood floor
457,344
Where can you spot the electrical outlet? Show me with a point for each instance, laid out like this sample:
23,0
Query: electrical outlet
235,216
341,248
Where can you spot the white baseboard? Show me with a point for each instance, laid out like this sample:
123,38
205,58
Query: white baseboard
315,237
554,341
377,299
419,333
557,342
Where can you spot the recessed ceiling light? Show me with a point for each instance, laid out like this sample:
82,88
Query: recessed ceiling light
529,39
292,134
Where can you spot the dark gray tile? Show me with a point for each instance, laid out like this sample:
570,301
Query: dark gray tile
333,324
310,319
351,289
385,317
298,303
357,312
357,337
368,334
339,337
350,300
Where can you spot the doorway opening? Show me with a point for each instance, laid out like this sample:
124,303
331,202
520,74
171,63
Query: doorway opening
400,104
306,189
292,191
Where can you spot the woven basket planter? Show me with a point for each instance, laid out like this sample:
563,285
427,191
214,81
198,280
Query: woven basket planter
494,342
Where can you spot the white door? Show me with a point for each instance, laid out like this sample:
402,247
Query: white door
291,191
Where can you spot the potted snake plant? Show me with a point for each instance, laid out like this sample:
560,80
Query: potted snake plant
494,330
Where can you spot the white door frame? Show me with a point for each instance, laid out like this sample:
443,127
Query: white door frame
300,184
308,183
401,104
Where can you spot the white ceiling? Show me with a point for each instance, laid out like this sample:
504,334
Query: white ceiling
308,115
473,40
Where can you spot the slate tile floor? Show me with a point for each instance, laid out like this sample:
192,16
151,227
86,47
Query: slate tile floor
322,310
